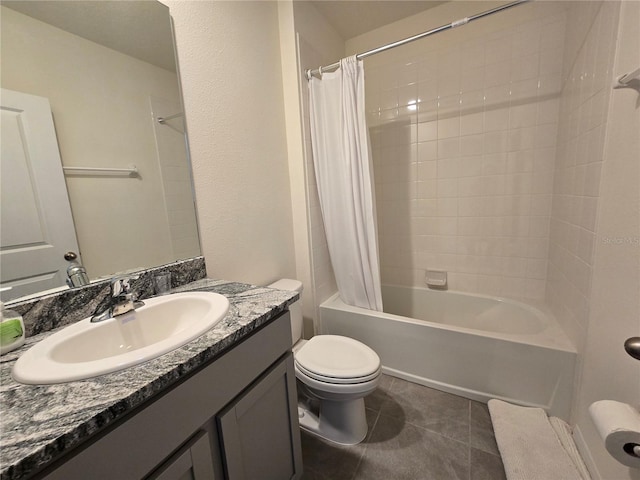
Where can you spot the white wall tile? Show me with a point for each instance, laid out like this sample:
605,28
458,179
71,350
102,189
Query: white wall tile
448,106
428,90
471,144
427,151
449,147
449,127
427,170
495,163
470,165
479,177
496,142
427,131
523,115
521,138
471,123
520,161
427,110
447,187
388,99
448,168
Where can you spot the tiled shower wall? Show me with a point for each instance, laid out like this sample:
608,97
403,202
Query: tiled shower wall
591,36
463,132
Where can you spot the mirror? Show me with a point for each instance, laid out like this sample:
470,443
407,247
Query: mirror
107,72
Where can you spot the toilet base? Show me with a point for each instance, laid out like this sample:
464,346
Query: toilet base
342,422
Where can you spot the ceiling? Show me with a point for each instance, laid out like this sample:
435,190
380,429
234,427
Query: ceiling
351,18
139,28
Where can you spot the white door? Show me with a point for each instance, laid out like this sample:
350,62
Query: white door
36,226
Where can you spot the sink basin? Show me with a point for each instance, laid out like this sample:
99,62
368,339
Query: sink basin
86,349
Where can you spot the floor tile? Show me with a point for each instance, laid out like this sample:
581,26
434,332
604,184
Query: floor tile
381,394
415,433
310,474
424,407
485,466
322,459
402,451
481,434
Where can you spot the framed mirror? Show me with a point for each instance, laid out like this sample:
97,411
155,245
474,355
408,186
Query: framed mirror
92,116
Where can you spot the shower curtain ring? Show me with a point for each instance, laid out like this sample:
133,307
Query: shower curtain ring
320,71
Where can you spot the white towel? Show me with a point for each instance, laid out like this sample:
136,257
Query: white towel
563,430
528,444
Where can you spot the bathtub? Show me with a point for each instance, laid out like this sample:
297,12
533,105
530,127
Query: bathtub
470,345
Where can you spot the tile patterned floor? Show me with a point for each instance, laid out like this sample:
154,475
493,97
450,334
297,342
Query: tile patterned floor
415,433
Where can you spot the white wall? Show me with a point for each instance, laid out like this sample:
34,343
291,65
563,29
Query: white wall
614,302
463,128
94,129
229,58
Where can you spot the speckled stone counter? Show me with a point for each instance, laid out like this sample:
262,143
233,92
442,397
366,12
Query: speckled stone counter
40,423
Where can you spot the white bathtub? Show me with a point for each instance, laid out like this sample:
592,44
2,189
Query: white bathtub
475,346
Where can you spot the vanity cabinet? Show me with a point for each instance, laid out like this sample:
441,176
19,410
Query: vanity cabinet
192,462
234,418
254,430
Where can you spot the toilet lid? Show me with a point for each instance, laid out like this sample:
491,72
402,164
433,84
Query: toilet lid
335,358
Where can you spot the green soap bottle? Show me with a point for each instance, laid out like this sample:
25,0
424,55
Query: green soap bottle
11,330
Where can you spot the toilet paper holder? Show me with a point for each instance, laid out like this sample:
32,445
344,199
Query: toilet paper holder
632,449
632,347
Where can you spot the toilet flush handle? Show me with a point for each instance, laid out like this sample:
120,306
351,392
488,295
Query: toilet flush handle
632,347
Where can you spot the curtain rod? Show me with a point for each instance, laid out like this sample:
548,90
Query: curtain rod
457,23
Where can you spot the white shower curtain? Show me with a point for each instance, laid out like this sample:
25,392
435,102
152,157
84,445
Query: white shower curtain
344,173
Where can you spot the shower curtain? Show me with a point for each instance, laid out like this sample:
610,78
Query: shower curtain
344,174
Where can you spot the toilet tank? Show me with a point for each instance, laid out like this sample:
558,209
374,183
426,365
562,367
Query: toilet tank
295,309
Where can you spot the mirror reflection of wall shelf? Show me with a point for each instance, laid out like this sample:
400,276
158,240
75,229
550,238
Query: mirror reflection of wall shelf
130,171
166,121
99,64
629,80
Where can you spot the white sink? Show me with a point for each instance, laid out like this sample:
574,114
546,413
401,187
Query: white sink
86,349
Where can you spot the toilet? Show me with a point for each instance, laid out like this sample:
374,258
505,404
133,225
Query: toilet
334,374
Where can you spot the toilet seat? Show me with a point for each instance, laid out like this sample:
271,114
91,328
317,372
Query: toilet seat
336,380
337,360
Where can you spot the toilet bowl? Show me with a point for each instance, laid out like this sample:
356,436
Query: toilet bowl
335,371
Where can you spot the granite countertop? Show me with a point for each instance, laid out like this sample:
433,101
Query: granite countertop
38,423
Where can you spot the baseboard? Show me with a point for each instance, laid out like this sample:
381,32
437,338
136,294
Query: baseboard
482,397
585,453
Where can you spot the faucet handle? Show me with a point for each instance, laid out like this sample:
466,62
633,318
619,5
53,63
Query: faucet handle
121,286
121,301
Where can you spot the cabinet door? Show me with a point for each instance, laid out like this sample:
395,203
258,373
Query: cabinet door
259,431
191,462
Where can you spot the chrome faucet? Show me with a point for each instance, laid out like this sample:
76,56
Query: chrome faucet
76,273
121,300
